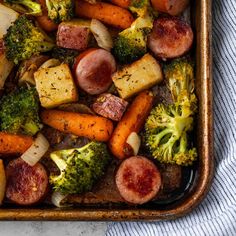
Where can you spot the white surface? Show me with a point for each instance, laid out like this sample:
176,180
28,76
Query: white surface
18,228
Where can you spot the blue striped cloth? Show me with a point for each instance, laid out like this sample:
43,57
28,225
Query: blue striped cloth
216,216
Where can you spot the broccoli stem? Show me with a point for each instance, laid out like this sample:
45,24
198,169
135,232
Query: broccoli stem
31,127
168,147
35,7
45,46
59,161
160,135
183,143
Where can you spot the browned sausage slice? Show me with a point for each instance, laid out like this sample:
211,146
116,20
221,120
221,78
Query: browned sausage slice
26,184
93,70
172,7
138,180
110,106
171,37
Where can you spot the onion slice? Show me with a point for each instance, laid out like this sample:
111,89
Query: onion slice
101,34
134,141
58,198
35,152
50,63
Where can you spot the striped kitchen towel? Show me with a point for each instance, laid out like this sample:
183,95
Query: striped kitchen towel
216,216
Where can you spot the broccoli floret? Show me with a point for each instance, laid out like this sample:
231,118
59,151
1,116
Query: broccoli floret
166,129
19,112
65,55
168,126
28,7
60,10
141,7
131,43
79,168
23,40
180,80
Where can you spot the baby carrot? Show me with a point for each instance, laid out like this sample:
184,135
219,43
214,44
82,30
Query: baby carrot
44,21
105,12
132,121
13,143
85,125
121,3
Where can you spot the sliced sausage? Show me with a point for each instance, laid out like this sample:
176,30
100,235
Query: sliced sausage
73,35
26,185
93,70
171,37
172,7
138,180
110,106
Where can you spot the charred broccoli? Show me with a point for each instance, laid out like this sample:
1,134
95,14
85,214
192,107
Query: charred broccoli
141,8
23,40
131,43
60,10
168,126
79,168
19,112
25,6
65,55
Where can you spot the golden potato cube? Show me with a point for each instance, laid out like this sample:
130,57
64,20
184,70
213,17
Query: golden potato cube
55,86
138,76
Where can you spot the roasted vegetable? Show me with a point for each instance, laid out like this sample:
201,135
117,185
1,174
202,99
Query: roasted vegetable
84,125
141,7
27,68
14,143
180,79
23,40
65,55
167,128
28,6
138,76
105,12
7,16
60,10
51,92
19,112
80,168
5,69
132,121
131,43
